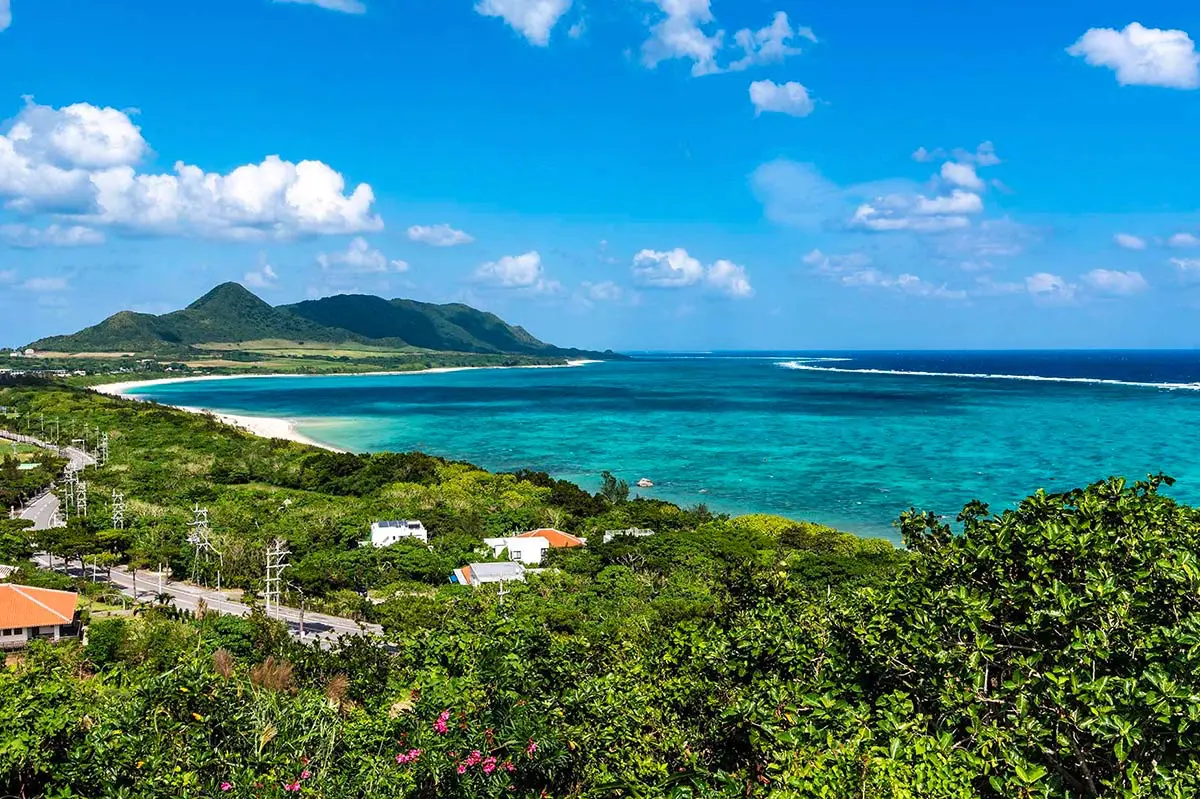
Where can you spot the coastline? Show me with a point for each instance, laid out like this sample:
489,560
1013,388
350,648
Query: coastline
277,427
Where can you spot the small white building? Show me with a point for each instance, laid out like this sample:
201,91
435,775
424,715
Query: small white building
384,534
526,549
632,532
480,573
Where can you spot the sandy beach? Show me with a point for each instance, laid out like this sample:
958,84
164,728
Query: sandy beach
273,427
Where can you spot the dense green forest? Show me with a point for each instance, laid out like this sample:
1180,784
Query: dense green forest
1050,650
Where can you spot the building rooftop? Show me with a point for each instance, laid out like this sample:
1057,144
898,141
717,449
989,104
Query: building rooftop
557,538
26,606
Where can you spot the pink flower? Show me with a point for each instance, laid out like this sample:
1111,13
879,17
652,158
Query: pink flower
441,726
489,765
529,750
305,774
509,767
227,786
475,757
408,757
292,787
462,768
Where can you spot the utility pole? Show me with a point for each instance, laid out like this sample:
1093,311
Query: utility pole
300,591
201,543
118,510
81,498
276,562
102,450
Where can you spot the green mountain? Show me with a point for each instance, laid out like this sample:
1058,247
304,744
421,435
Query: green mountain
231,314
457,328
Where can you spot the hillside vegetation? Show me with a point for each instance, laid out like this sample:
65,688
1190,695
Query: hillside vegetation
1052,650
230,313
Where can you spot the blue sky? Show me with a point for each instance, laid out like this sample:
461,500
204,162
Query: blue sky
632,174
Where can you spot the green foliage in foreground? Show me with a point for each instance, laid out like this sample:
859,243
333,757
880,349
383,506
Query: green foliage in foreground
1051,651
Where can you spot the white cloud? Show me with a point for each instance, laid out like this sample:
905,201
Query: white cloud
533,19
1110,281
1186,264
264,277
668,269
958,202
8,276
1049,287
962,175
984,155
439,235
5,15
577,30
80,161
1142,56
522,272
905,284
676,269
359,258
770,44
45,284
606,291
788,98
78,135
1129,241
345,6
53,235
680,35
836,264
730,279
1184,240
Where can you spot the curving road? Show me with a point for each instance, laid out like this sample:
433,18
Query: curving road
43,511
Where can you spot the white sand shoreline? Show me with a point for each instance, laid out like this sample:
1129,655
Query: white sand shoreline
282,428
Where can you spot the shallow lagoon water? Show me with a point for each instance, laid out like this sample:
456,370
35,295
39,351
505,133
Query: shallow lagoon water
849,439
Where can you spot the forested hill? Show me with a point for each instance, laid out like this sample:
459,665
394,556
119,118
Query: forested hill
231,314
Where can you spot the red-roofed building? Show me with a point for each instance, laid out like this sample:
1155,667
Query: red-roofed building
557,538
27,613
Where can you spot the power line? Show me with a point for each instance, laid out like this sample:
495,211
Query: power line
202,544
118,510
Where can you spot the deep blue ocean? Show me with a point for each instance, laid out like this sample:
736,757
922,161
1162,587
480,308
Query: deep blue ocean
849,439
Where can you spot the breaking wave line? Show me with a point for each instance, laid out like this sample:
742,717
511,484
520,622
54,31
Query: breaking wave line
978,376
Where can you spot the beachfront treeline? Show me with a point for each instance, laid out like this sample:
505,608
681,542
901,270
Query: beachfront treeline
1048,651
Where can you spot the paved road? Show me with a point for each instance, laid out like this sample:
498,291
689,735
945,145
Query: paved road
43,511
317,626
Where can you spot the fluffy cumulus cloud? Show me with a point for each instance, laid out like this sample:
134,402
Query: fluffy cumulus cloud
687,30
605,291
261,278
1049,287
1186,264
359,258
1142,56
797,194
345,6
438,235
54,235
769,45
533,19
1128,241
81,163
1110,281
787,98
524,272
677,269
983,155
1184,240
917,213
962,175
5,15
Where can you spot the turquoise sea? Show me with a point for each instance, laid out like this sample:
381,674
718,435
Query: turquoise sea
849,439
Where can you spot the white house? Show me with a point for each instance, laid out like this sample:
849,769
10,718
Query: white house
632,532
526,549
384,534
28,613
480,573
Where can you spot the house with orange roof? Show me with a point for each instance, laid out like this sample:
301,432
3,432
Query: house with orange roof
529,547
28,613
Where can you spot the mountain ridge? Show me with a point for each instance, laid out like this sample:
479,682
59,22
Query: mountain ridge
230,313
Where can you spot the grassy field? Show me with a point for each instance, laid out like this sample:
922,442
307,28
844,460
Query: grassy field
349,349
